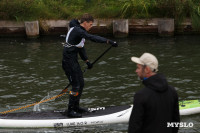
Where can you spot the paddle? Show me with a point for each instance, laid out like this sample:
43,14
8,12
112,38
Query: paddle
54,97
66,88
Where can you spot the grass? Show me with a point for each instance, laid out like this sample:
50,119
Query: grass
177,9
23,10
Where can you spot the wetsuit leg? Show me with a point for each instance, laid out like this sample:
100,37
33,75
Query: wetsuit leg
81,83
73,71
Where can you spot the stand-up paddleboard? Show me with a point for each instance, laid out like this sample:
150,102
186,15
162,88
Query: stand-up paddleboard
95,116
189,107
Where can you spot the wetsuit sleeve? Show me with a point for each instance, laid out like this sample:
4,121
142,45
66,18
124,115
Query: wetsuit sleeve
83,54
93,38
176,114
137,114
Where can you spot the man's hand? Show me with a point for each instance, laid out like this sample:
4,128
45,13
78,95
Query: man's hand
113,43
89,65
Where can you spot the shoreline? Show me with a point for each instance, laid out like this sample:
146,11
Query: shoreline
100,26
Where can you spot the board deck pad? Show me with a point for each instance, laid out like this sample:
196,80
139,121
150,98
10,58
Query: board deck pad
93,112
188,104
95,116
44,115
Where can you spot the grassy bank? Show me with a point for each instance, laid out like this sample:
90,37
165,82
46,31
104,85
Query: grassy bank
57,9
21,10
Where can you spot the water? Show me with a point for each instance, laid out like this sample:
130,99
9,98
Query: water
31,70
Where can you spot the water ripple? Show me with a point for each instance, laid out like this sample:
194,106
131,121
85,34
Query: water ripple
30,71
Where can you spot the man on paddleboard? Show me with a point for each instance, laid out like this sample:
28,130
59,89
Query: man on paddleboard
157,103
75,40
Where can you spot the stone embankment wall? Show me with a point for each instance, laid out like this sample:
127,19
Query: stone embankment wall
118,28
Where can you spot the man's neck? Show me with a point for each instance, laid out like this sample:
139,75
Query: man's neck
150,74
82,25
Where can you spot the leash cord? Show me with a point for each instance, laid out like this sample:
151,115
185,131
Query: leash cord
27,106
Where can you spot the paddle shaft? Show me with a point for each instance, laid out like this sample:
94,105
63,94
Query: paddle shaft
99,57
65,89
102,55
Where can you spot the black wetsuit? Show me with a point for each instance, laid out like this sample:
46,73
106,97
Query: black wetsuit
70,60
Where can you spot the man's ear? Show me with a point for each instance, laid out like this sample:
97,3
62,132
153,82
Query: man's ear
147,70
84,22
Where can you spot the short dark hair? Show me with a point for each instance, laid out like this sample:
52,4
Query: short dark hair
87,17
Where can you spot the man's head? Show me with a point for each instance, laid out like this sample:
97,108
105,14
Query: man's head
87,21
147,65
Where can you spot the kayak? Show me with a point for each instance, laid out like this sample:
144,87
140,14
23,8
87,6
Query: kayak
94,116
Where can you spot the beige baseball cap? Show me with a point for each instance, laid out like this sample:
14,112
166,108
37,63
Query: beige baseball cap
148,60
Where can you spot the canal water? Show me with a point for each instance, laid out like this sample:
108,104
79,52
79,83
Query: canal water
30,70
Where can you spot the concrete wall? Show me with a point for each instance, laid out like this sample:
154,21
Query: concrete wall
142,26
100,27
12,28
120,28
32,28
53,27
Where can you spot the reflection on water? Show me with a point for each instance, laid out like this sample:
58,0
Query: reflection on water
30,69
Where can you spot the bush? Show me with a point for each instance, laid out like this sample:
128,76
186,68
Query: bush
21,10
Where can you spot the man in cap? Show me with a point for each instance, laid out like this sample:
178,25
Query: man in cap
157,103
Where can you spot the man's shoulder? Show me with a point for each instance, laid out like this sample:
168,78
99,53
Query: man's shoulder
73,23
142,92
78,29
172,88
141,95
